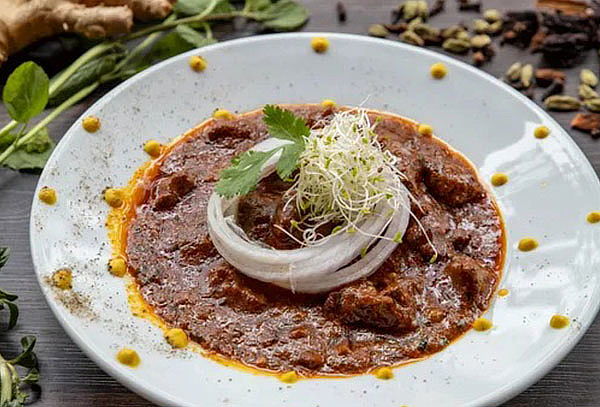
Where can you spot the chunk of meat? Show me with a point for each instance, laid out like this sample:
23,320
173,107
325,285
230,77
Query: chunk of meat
404,291
475,282
169,191
450,182
310,358
226,283
436,226
228,134
362,304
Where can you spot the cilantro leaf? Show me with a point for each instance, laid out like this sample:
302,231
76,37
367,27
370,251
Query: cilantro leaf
244,173
284,125
289,160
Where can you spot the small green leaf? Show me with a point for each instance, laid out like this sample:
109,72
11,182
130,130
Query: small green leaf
285,15
193,7
256,5
27,358
244,173
289,160
179,40
283,124
33,154
13,313
26,92
32,377
86,75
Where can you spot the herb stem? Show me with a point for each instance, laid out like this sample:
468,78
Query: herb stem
48,119
6,383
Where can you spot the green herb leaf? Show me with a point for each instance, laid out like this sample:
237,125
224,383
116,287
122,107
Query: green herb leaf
283,124
26,92
181,39
244,173
193,7
289,160
27,357
13,312
285,15
33,154
86,75
256,5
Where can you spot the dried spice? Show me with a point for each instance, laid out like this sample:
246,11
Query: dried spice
587,122
588,77
456,46
587,92
480,41
340,10
520,27
563,50
492,15
565,6
469,5
479,58
429,34
556,87
414,8
453,31
495,28
545,77
562,103
437,7
396,28
411,37
378,30
480,26
593,105
513,73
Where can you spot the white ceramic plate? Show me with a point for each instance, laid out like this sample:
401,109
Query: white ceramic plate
552,187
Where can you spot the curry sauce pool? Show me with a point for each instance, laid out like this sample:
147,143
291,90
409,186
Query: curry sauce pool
408,309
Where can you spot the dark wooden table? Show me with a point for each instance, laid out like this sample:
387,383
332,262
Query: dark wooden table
69,378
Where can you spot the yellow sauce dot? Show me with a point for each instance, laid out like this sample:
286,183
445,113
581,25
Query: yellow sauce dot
128,357
482,324
593,217
113,197
319,44
153,148
197,63
383,373
222,114
289,377
528,244
499,179
425,130
438,70
503,292
47,195
328,103
559,321
62,279
541,132
117,267
91,124
177,338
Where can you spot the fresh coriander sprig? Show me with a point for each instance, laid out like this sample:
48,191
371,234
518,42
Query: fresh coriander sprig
244,173
16,389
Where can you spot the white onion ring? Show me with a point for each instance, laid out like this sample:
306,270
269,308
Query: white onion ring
312,269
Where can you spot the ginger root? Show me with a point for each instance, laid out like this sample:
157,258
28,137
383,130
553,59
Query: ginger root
23,22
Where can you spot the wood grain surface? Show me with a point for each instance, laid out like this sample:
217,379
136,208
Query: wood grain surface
69,378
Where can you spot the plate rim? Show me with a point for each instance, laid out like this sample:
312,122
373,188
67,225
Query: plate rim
158,396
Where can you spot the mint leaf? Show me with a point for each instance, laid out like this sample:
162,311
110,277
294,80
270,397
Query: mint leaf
256,5
284,125
289,160
33,154
244,173
193,7
26,92
285,15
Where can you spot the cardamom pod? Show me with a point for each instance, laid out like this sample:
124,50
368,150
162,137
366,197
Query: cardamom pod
495,27
425,30
422,9
527,75
587,92
410,9
513,73
411,37
593,105
480,41
480,26
456,45
463,35
378,30
452,31
492,15
414,22
562,103
588,77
